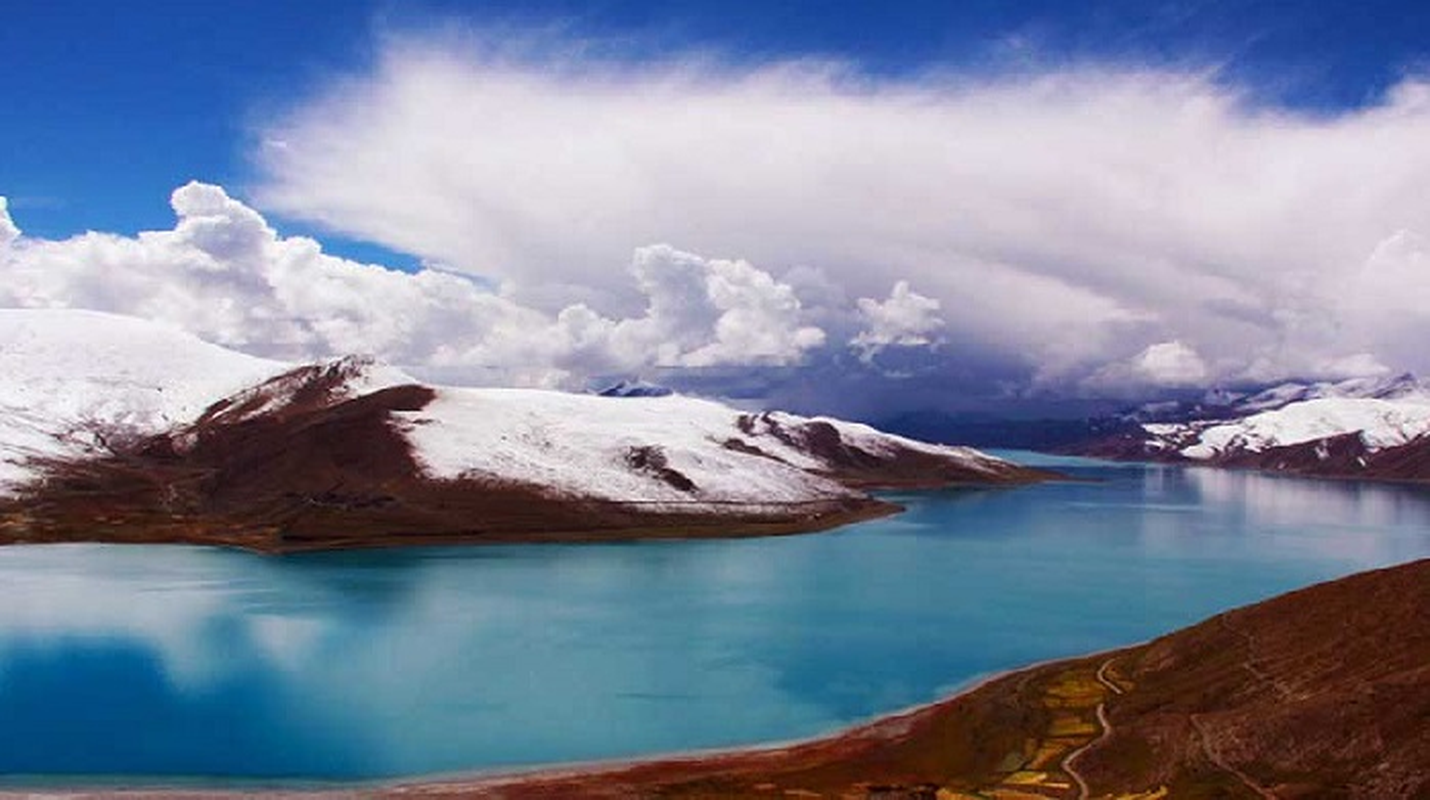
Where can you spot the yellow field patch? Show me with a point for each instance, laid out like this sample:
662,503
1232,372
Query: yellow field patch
1074,689
1155,794
1051,751
1064,725
1001,793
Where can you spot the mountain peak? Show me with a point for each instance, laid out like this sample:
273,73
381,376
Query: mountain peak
635,388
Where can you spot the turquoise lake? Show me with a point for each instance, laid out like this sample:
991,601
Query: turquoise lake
180,662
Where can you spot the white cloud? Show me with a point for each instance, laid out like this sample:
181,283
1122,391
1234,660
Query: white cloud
8,231
906,319
1074,219
1171,364
225,275
1382,306
1164,364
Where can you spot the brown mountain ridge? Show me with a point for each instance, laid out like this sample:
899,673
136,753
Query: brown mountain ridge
310,460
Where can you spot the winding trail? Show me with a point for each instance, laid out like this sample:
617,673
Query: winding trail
1083,791
1104,680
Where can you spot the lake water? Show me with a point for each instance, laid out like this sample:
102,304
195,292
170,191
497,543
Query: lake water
183,661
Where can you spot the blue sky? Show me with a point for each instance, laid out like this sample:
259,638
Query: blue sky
832,205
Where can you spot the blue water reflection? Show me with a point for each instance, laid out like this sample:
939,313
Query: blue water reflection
193,661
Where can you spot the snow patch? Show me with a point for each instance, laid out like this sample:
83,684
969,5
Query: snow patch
578,446
75,382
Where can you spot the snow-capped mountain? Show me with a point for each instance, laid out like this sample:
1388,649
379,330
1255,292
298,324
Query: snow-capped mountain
635,388
116,428
1223,403
1372,427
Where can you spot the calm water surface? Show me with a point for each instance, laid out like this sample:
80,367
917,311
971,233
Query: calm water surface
182,661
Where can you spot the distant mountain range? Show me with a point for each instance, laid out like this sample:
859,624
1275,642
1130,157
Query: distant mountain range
116,429
1228,404
1363,427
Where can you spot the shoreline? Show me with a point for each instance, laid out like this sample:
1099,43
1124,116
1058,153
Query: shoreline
528,518
674,527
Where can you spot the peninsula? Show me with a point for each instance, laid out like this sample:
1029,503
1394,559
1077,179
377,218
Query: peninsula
120,430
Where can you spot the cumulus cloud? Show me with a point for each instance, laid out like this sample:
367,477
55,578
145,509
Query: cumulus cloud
1165,364
1074,218
224,274
906,319
704,313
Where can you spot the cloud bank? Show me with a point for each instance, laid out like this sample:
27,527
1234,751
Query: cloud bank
1068,224
224,274
836,242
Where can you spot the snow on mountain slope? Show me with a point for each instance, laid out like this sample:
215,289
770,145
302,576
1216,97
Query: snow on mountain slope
1399,387
73,382
1223,404
583,445
1380,423
1375,428
631,449
149,412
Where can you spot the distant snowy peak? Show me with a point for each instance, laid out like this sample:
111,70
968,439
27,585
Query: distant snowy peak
635,388
1399,387
1223,404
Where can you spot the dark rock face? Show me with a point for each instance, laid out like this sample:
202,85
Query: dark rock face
1344,456
651,460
